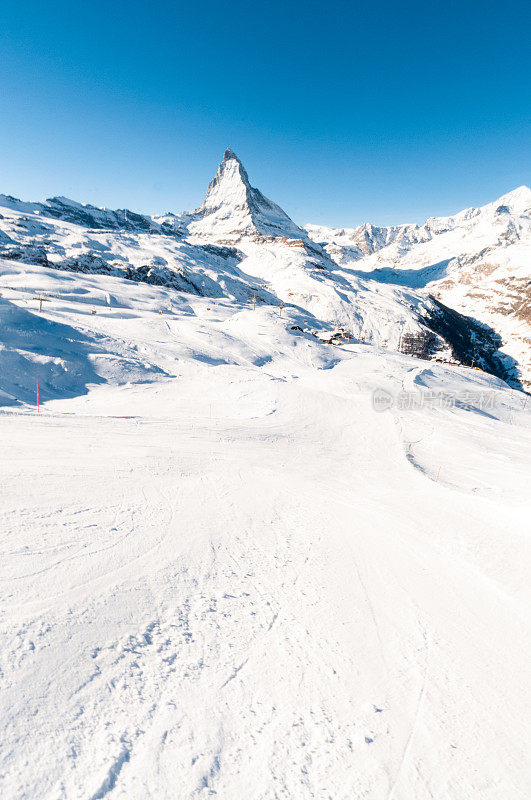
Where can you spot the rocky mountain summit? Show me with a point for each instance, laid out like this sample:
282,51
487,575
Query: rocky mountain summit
233,208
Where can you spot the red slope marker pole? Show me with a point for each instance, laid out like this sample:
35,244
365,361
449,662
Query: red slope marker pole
437,478
38,396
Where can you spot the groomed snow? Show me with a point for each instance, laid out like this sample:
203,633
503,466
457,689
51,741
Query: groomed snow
224,574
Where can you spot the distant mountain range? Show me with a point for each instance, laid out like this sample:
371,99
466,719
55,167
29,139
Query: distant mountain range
454,289
478,262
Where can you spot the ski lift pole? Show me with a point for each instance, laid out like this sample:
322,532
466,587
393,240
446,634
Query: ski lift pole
42,300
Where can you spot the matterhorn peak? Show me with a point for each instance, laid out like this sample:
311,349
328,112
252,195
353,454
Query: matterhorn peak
229,185
232,208
230,155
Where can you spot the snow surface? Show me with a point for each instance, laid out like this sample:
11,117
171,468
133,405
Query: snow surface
225,574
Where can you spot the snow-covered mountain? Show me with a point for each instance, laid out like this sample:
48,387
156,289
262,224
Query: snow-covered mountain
352,244
477,262
232,208
347,245
242,246
80,213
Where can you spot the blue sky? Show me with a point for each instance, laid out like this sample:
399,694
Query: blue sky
342,112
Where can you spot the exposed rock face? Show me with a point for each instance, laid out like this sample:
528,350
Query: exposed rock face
472,343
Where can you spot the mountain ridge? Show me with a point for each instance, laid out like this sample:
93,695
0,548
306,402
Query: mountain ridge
475,261
240,245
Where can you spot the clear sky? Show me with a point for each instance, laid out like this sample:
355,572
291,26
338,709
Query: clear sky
342,112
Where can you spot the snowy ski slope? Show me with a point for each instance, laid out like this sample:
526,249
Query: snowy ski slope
225,574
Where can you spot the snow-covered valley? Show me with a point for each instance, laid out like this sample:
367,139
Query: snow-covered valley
237,560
